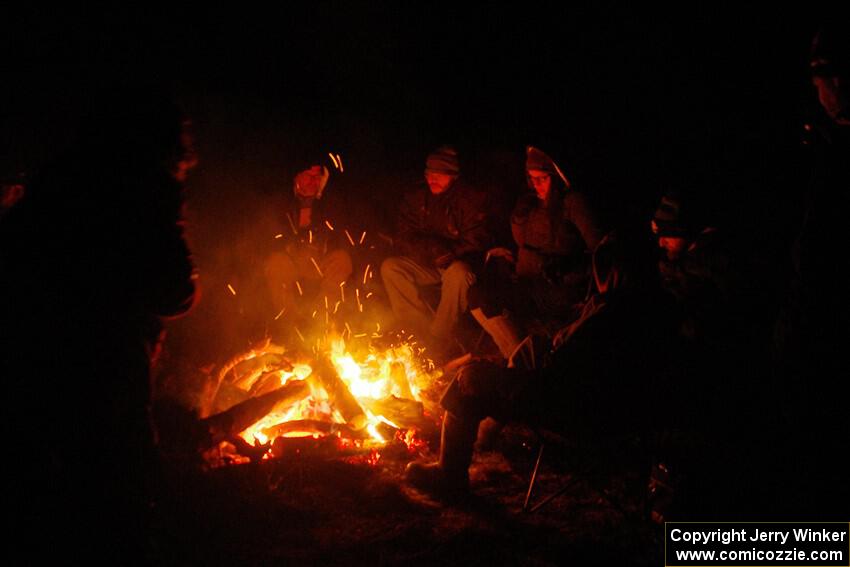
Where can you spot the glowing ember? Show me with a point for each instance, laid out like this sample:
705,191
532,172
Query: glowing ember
373,380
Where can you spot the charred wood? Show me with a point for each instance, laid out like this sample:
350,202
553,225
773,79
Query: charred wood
406,414
313,427
339,395
243,415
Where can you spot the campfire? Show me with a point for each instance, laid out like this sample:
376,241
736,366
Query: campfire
272,402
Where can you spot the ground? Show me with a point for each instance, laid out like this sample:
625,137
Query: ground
326,510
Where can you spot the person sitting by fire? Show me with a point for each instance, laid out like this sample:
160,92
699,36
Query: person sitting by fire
441,237
601,376
693,266
309,260
555,230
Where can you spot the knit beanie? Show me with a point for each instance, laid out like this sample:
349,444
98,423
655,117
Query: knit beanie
671,221
443,160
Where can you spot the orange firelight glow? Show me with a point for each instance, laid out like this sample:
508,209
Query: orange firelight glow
371,377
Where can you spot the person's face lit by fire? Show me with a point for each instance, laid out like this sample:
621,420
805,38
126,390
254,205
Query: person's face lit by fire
10,194
834,97
309,181
673,246
438,182
542,183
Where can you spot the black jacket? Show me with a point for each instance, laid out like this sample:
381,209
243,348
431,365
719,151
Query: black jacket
452,223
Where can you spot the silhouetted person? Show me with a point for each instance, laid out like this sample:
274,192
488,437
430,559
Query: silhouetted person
601,380
91,261
811,350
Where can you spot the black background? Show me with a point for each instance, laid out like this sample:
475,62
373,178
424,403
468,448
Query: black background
709,101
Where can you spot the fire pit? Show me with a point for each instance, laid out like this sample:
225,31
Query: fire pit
271,402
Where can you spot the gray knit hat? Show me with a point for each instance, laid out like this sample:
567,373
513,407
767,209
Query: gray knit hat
443,160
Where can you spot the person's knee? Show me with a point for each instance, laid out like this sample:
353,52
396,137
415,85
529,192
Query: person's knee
460,274
338,265
279,266
392,269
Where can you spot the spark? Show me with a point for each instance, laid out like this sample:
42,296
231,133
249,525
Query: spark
362,237
278,236
298,285
378,330
279,314
366,273
339,157
326,302
336,307
292,224
368,295
316,265
313,316
358,335
333,159
348,327
230,287
348,235
300,335
410,337
309,236
327,318
329,225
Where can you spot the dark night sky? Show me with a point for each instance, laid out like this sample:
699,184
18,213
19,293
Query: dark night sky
632,102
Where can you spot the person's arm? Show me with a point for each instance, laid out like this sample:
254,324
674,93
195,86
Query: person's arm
473,229
578,211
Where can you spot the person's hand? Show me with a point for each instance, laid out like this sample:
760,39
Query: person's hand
443,261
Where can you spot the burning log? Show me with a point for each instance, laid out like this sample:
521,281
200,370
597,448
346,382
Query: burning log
404,413
338,393
254,452
267,382
244,414
398,375
257,368
313,427
264,347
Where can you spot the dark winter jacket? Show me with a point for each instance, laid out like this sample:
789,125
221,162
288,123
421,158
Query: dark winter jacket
452,223
540,240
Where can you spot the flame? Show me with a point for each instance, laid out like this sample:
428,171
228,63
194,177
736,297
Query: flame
372,376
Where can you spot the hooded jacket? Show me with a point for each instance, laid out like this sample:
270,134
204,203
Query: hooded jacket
543,233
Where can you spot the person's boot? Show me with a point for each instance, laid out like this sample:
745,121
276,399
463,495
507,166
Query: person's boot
448,478
501,329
